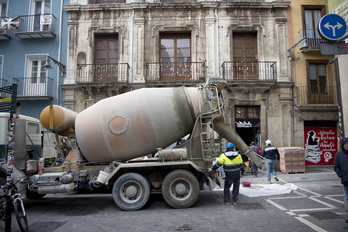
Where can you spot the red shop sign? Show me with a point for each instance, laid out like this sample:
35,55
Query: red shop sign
320,145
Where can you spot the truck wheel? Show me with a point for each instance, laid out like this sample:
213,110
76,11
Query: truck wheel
131,191
180,189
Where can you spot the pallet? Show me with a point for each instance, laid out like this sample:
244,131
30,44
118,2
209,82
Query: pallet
292,171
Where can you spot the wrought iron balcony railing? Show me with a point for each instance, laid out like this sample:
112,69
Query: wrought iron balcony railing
6,34
241,70
3,82
171,71
37,26
34,87
105,1
312,39
307,95
89,73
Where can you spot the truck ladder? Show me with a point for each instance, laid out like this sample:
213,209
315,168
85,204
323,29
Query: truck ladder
211,108
207,136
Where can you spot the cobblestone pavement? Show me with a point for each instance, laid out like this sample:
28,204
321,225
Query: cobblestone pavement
317,205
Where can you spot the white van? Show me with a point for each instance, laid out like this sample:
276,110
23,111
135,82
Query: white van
27,129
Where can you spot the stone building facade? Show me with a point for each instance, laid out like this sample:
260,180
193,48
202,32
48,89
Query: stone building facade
118,46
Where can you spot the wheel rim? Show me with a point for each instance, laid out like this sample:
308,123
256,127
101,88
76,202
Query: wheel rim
180,189
130,191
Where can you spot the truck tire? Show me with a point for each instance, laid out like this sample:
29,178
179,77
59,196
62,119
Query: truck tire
180,189
131,191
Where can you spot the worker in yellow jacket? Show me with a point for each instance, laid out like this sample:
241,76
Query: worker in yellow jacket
233,167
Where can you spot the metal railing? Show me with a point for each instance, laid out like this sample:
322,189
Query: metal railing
105,1
312,38
171,71
242,70
177,1
309,95
34,86
6,34
3,83
88,73
40,22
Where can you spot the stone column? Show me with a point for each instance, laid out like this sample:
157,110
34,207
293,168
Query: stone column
138,52
211,46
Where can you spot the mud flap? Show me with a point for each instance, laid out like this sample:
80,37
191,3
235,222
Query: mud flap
213,182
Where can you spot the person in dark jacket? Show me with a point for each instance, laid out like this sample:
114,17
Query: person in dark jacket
341,166
271,154
233,166
255,149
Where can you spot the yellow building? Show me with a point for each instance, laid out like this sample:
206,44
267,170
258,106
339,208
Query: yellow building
315,112
340,7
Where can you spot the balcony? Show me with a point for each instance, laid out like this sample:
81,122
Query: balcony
312,40
102,73
8,26
105,1
37,26
241,70
311,96
6,34
174,71
3,83
34,88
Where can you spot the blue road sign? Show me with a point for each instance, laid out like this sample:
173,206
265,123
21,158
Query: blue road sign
332,27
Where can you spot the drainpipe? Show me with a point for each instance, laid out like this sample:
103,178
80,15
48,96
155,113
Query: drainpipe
131,47
59,52
217,43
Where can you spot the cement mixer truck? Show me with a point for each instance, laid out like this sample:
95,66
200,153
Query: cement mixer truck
120,142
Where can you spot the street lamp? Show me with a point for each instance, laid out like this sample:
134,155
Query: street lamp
62,69
61,66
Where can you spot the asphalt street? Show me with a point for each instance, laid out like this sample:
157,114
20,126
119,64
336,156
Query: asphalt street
317,205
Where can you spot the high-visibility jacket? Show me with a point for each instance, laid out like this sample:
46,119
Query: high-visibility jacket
232,164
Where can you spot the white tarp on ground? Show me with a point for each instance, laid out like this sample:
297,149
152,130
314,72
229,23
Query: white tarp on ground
256,190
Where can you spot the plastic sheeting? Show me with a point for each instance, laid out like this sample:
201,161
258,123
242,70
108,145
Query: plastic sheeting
256,190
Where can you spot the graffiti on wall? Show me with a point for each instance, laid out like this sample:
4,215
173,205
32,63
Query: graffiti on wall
321,145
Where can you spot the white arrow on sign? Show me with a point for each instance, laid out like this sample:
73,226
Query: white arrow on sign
338,26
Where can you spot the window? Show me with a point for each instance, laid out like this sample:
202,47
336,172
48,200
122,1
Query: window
311,17
35,83
320,88
245,65
3,8
244,47
33,128
41,7
106,49
317,78
106,57
175,55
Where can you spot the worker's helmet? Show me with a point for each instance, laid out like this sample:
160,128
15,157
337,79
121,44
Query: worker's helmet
229,145
268,142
